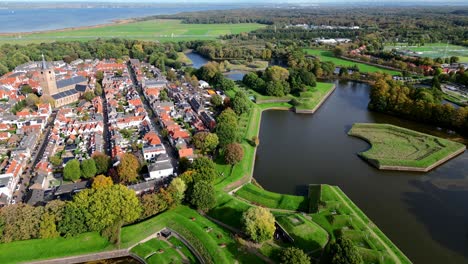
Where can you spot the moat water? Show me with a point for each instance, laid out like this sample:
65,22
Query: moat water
424,214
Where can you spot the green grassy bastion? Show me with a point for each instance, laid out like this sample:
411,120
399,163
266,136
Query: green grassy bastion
397,148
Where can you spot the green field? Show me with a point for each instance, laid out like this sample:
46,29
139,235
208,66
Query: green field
39,249
432,50
157,251
151,30
307,235
399,148
326,55
258,196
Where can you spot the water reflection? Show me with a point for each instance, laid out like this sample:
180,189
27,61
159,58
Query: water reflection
426,215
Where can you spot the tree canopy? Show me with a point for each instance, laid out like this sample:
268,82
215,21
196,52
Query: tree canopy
128,168
203,196
72,170
258,223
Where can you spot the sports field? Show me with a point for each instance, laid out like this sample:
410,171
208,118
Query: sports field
326,55
160,30
397,148
432,50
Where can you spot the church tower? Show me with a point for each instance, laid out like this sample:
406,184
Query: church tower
47,79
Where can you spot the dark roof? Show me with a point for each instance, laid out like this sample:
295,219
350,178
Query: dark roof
64,94
68,188
71,81
35,197
144,186
81,87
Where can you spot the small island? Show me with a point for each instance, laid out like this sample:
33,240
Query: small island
397,148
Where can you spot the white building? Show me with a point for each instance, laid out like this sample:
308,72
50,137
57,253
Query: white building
161,168
151,152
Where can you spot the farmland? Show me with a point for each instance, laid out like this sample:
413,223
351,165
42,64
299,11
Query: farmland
326,55
151,30
432,50
397,148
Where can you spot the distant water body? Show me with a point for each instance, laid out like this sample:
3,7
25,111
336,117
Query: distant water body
38,19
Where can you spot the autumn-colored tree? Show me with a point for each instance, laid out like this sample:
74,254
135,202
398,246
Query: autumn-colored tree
233,153
101,181
128,168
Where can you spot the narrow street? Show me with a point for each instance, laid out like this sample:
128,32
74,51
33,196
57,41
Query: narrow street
37,154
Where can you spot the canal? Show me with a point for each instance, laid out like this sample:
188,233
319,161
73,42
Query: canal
425,214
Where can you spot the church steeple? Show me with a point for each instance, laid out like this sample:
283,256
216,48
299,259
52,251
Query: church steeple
44,63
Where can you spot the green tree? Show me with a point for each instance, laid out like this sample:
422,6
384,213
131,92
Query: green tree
3,69
292,255
203,196
73,220
227,127
48,228
128,168
20,222
26,89
258,224
342,251
88,168
241,103
226,84
276,74
88,96
205,169
102,181
216,100
108,206
72,171
55,161
233,153
102,162
177,189
206,142
98,89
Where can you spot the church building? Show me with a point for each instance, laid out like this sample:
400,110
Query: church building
64,91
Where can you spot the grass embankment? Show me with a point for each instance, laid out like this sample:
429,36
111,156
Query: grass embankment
151,30
39,249
308,100
433,50
157,251
197,233
258,196
327,55
455,98
339,216
396,148
307,235
184,249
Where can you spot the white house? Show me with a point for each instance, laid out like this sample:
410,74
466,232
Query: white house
161,168
203,84
151,152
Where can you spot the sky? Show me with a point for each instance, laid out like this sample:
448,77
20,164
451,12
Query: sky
249,1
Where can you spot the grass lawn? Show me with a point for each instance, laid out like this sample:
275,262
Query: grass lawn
307,235
157,251
39,249
395,147
327,55
161,30
184,249
228,209
207,243
455,97
338,215
258,196
432,50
